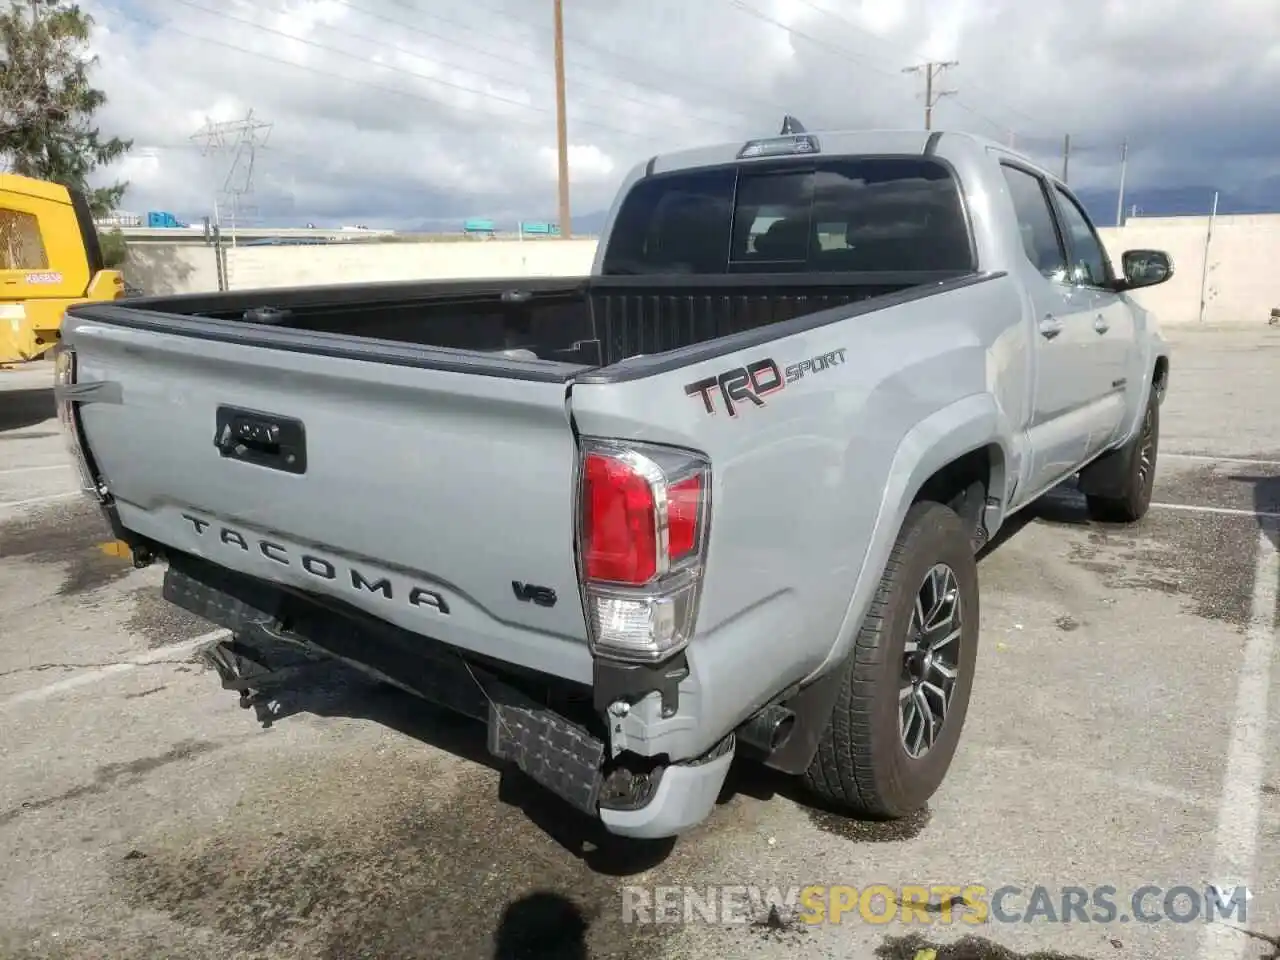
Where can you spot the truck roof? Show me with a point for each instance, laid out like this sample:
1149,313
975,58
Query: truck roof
836,143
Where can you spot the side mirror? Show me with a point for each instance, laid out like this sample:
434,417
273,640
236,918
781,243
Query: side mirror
1145,268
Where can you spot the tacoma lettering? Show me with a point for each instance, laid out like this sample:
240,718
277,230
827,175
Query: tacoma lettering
323,568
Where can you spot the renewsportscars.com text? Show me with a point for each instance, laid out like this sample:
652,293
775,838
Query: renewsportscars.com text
934,904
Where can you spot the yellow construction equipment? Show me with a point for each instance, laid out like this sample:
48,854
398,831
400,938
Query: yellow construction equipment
50,258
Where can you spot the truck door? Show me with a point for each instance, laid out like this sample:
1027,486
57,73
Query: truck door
1110,319
1062,336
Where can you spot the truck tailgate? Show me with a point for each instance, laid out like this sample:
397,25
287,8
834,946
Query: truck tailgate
429,498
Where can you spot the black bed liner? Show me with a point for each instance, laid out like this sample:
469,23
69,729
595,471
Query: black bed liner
577,327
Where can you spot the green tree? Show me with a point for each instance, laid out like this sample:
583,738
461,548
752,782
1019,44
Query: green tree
115,249
47,103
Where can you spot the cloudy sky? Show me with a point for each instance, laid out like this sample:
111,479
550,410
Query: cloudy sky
409,112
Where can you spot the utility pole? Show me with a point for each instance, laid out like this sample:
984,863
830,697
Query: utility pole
562,132
1066,155
1124,165
932,70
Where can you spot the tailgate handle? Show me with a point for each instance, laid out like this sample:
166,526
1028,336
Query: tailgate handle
263,439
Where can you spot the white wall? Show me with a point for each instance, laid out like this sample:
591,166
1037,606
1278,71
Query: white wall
1242,283
250,267
167,268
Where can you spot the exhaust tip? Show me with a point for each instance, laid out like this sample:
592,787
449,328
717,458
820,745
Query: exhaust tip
769,729
782,730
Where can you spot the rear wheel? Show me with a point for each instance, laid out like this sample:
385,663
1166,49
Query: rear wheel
1133,497
905,690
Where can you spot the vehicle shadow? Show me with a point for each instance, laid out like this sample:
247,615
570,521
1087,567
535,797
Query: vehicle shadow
332,689
541,926
26,408
1266,502
1064,505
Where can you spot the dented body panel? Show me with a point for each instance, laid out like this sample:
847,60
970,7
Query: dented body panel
438,492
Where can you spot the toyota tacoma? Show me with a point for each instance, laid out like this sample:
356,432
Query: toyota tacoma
722,497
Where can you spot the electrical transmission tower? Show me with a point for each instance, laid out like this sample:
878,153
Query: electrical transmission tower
241,139
932,70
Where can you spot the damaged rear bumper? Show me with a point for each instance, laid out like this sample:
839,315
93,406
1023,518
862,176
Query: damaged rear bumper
544,726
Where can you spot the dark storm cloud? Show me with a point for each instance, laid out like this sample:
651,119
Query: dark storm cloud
399,111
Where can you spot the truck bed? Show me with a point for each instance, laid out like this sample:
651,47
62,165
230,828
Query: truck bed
576,321
419,485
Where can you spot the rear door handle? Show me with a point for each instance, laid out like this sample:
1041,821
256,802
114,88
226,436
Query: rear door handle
1101,325
1050,326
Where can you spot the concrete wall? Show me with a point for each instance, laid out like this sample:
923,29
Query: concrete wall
167,268
1242,283
162,268
303,266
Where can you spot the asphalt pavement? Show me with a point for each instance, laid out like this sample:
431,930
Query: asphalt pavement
1122,747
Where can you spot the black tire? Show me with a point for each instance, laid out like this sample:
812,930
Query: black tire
862,766
1138,459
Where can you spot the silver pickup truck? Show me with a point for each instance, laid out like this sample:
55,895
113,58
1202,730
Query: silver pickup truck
722,497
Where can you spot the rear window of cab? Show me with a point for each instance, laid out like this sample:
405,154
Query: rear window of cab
855,215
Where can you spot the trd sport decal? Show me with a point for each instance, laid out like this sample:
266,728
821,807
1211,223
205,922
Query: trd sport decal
752,383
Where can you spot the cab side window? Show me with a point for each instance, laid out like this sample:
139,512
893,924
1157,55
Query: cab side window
1036,223
21,247
1091,266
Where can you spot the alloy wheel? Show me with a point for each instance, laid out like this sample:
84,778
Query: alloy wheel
931,660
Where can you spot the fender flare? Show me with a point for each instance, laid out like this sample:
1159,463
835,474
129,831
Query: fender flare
962,427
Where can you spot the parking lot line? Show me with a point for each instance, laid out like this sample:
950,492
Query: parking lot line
1204,458
159,655
1235,840
32,501
1224,511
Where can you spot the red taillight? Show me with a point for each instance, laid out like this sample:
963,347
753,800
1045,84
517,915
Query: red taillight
683,501
620,524
620,533
644,511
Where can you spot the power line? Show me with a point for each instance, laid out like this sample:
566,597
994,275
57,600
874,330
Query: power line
912,55
427,78
613,95
876,66
737,94
841,52
932,70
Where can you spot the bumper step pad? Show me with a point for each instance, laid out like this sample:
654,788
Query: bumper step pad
550,749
